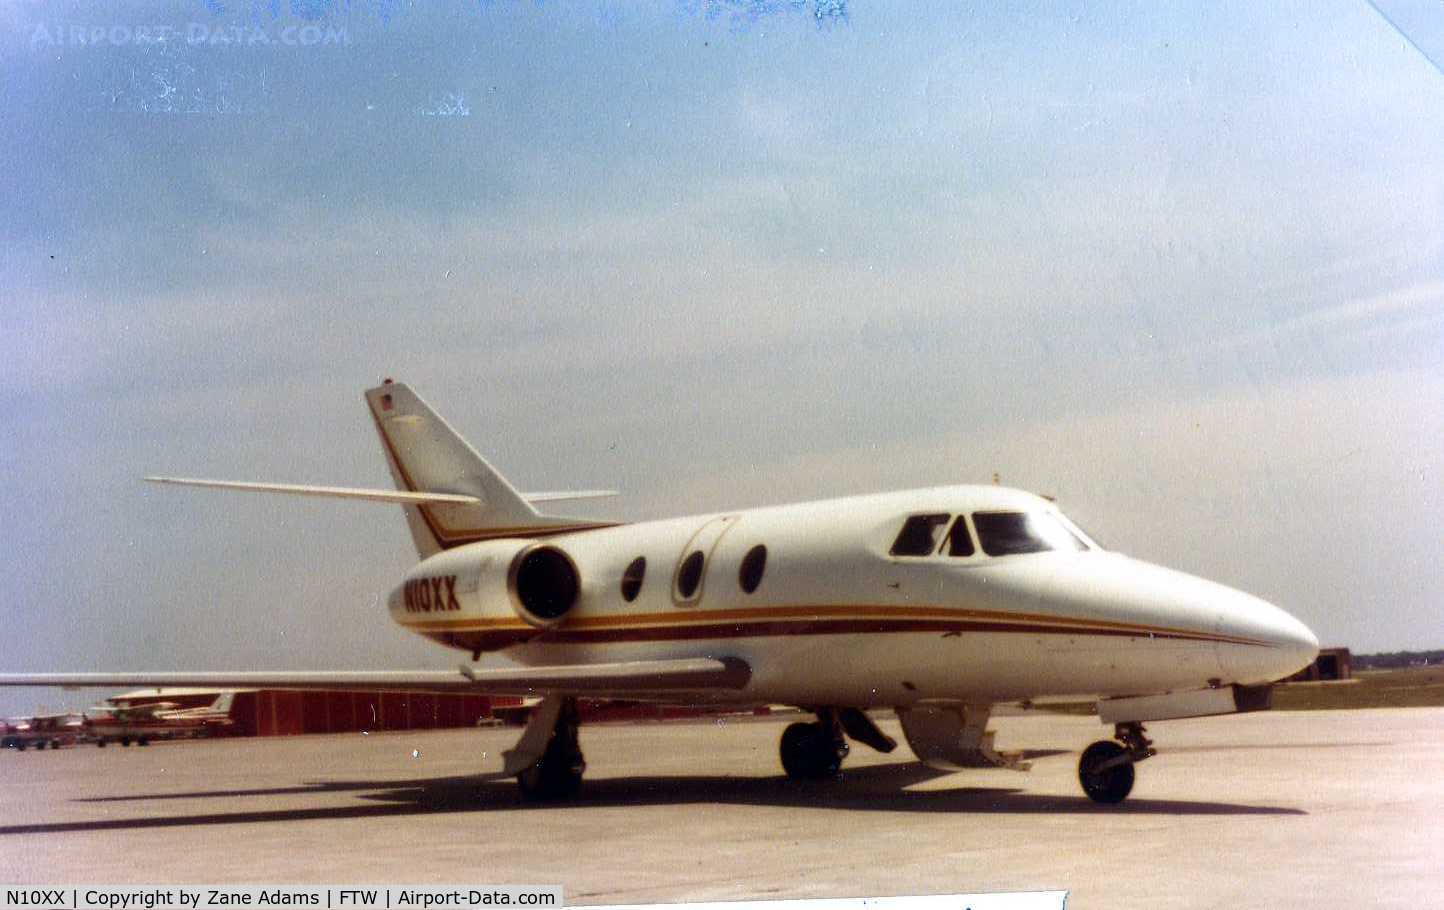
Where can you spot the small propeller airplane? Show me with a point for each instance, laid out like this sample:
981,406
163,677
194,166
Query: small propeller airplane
40,731
936,603
145,722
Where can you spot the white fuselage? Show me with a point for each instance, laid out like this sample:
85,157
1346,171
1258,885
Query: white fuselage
837,619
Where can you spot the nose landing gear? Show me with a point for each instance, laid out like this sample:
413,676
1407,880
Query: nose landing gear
1106,768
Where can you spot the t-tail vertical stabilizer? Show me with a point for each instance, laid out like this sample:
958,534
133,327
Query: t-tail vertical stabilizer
426,455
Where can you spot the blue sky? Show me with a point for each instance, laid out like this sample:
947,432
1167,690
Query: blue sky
1180,265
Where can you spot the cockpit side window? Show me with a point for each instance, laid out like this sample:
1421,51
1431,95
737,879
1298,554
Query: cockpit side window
919,535
1011,533
960,542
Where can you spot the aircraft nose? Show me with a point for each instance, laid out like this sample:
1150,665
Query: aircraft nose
1300,642
1295,645
1269,643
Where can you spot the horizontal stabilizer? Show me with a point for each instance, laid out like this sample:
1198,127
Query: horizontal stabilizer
401,496
659,679
559,495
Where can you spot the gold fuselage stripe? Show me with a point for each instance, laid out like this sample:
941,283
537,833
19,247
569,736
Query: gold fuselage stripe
809,615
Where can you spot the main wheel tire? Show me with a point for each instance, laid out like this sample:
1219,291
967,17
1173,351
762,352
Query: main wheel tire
1109,785
550,780
559,773
142,741
100,744
125,740
808,753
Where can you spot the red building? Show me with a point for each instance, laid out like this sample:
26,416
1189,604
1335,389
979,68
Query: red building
284,712
287,712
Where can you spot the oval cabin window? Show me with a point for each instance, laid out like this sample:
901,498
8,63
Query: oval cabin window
753,565
632,578
689,576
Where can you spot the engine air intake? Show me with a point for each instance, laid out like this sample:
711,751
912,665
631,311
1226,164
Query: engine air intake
544,585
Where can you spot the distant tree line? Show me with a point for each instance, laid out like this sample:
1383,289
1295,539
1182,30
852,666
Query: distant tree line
1393,659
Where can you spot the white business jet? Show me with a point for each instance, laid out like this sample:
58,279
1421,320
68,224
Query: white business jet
937,603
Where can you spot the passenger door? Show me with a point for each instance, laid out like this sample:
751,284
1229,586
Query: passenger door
690,575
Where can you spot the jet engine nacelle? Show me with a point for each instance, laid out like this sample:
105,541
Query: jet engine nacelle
494,579
543,584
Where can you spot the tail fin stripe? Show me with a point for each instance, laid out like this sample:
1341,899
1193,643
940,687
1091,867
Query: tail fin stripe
448,537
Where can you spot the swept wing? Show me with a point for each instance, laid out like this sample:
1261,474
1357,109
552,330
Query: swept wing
643,679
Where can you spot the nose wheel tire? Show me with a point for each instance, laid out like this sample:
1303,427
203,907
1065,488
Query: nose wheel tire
809,752
1106,772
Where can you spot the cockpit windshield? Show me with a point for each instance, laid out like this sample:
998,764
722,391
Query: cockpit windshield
1011,533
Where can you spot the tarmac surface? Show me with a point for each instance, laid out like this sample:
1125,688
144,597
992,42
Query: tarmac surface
1278,809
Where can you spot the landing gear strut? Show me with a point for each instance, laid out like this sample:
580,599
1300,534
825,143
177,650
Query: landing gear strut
1106,768
814,751
558,773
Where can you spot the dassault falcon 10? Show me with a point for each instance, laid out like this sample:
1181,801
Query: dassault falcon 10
937,603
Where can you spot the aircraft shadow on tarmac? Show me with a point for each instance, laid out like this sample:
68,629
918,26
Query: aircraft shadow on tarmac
876,788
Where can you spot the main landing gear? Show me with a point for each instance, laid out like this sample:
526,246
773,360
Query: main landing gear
815,751
1106,768
557,772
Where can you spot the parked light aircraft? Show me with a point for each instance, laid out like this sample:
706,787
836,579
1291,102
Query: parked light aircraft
143,723
53,730
937,603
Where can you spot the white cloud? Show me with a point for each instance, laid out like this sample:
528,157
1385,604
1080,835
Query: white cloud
1370,314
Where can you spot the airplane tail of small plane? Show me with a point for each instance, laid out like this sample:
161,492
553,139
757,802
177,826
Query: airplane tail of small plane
223,702
426,455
